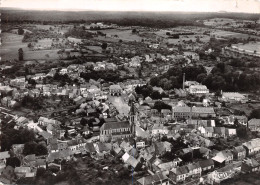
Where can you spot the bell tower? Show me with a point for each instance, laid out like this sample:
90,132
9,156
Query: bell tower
132,118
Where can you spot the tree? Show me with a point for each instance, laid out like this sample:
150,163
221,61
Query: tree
29,45
255,114
20,31
20,54
104,46
13,161
159,105
40,172
41,150
29,148
156,95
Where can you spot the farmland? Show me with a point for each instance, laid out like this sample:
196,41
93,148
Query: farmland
229,34
11,44
125,35
249,46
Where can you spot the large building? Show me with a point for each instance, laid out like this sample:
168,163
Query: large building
232,96
114,129
193,112
198,89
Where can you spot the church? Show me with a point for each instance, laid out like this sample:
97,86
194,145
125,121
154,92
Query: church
114,129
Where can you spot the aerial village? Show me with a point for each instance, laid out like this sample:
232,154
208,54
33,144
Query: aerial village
130,104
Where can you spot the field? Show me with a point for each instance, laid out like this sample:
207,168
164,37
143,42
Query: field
125,35
41,55
95,48
252,46
229,34
10,45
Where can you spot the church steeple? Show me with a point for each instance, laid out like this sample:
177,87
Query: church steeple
132,118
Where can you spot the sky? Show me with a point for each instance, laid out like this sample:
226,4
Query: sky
246,6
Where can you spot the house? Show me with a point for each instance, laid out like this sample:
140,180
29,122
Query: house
198,90
140,144
135,62
181,112
169,165
159,129
194,170
90,148
252,147
22,171
223,158
179,174
159,89
254,124
21,121
239,153
130,160
250,165
203,112
63,71
115,90
158,178
46,121
219,132
3,156
242,120
206,165
189,83
40,163
79,100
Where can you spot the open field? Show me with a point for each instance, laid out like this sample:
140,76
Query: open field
10,45
41,55
125,35
252,46
229,34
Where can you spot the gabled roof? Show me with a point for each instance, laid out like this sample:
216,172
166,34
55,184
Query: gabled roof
239,149
115,125
254,122
182,170
206,163
152,179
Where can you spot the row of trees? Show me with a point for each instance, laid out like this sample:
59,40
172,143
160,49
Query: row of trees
78,33
222,77
147,90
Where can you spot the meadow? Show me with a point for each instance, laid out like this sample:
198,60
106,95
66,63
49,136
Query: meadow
10,45
124,35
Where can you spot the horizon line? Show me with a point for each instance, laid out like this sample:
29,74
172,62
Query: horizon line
92,10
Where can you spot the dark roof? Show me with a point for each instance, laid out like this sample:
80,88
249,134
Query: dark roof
115,125
182,170
108,120
206,163
90,147
239,149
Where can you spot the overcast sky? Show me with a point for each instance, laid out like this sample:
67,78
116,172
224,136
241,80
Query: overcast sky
248,6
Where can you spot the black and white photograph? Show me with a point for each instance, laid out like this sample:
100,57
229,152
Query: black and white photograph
129,92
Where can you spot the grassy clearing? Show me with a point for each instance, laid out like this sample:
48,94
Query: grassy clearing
10,45
125,35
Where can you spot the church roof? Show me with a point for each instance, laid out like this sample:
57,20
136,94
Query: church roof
115,125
